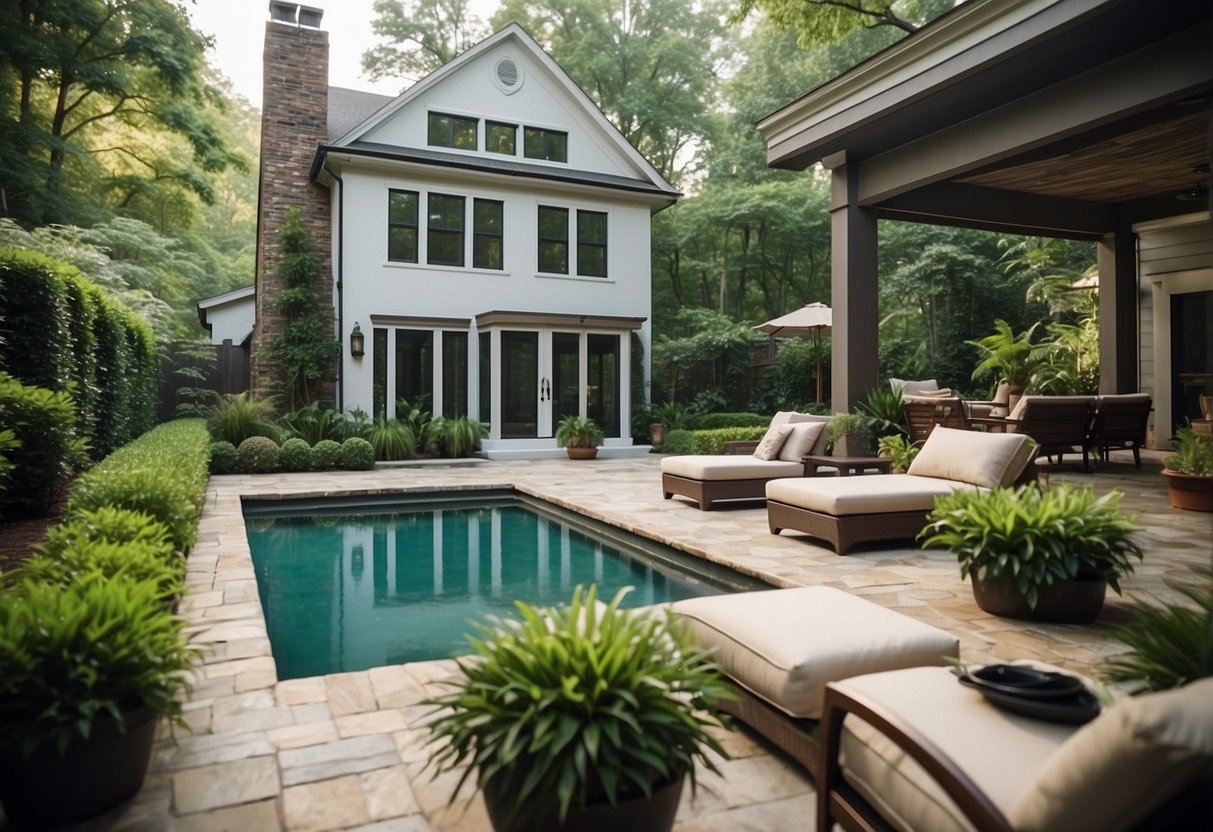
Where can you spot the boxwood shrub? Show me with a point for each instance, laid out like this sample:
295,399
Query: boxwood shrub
47,448
713,421
223,457
111,524
81,557
257,455
163,474
356,455
325,454
295,455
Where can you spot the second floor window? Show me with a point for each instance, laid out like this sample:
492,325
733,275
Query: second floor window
452,131
444,236
402,226
488,230
538,143
501,138
592,243
553,240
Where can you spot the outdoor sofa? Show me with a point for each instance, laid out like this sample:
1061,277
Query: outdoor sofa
845,511
914,749
741,474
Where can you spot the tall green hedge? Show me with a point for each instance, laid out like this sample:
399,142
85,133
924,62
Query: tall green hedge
43,447
61,331
709,441
162,473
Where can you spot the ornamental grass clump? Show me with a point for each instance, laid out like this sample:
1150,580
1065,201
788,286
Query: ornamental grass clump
1031,537
578,705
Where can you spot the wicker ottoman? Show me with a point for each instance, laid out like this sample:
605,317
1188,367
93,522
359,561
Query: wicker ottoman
781,647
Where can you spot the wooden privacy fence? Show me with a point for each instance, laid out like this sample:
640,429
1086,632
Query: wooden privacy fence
189,370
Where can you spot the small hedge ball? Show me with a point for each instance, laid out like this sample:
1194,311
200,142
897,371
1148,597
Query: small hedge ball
296,455
223,457
325,454
257,455
356,455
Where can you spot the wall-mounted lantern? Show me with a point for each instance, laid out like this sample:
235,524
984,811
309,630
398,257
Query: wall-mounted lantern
357,342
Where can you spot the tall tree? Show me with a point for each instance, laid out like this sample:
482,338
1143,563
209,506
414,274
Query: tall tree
422,35
649,65
825,22
76,78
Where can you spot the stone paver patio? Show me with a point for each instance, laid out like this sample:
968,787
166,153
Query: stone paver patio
345,751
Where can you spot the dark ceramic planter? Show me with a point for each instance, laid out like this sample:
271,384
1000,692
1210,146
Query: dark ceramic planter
1065,602
52,789
1190,492
582,453
641,814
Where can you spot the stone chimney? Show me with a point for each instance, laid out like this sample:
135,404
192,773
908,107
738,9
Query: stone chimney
294,121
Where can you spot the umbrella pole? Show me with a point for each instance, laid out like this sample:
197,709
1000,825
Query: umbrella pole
817,353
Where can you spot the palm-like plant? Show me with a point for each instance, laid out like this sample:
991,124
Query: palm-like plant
1006,355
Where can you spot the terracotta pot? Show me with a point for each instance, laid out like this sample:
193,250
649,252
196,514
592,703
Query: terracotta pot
1075,601
52,789
1191,492
640,814
656,433
581,453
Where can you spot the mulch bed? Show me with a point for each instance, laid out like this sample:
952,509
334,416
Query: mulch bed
19,537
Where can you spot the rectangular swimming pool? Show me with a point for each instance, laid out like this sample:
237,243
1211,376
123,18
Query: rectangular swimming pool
347,587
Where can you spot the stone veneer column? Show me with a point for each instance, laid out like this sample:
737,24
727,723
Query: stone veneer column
294,121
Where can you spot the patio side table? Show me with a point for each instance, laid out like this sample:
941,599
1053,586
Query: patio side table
846,466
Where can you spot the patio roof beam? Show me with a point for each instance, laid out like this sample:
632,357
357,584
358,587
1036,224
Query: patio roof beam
993,209
1164,72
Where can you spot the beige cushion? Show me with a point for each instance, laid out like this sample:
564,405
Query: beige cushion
839,496
930,398
912,388
989,460
801,440
768,448
999,750
785,644
1022,405
1130,761
725,467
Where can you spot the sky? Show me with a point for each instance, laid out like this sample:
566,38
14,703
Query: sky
238,27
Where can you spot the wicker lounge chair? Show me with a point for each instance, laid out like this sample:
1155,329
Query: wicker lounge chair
914,749
1059,424
737,474
1120,424
849,510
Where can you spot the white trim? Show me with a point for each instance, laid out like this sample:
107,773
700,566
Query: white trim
1162,287
227,297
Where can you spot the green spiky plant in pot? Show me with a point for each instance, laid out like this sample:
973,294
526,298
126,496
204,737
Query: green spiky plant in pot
581,717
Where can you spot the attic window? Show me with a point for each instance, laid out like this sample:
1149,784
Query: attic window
507,75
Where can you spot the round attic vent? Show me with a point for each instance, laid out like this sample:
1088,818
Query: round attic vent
507,75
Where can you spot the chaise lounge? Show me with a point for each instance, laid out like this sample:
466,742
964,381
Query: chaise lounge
851,510
744,473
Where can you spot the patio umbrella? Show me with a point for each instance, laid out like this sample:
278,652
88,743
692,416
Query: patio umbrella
810,320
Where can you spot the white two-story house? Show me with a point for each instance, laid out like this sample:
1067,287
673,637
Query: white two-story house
489,239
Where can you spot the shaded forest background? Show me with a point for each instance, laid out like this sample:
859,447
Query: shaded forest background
124,152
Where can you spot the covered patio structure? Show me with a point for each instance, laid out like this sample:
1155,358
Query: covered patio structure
1080,119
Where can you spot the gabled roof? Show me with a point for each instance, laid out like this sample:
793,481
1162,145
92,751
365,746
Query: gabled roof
235,296
518,36
349,108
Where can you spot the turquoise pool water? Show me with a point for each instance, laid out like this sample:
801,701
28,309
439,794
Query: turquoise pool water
360,589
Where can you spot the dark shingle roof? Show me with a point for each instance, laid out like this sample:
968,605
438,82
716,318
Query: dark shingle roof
349,108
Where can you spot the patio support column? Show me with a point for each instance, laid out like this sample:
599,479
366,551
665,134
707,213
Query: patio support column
1118,313
854,363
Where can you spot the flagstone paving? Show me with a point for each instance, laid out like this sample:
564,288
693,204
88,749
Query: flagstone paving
347,751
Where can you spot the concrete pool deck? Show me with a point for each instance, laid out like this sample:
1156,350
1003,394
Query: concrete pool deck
346,751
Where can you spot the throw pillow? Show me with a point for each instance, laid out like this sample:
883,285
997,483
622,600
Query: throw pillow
913,388
768,448
801,440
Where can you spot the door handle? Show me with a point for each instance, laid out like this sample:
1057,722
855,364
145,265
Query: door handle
545,390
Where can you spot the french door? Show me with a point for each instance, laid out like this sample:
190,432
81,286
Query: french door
548,374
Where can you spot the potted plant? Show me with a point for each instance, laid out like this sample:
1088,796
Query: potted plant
85,671
1189,472
580,435
669,416
899,449
846,432
1008,357
580,717
1042,555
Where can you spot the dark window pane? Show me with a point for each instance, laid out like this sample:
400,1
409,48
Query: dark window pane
592,243
486,252
402,207
558,147
445,248
488,216
454,374
439,130
402,226
591,260
532,142
446,212
452,131
379,372
402,244
415,367
486,368
465,134
553,223
500,138
591,227
554,257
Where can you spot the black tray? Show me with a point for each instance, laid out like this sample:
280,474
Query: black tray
1073,708
1026,682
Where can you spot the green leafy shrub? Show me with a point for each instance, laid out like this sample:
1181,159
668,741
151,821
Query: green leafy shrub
899,449
80,557
1030,538
257,455
110,524
223,458
295,455
391,439
47,449
325,454
883,410
356,455
678,442
461,437
1194,455
8,443
714,421
312,423
162,473
578,432
72,657
579,702
1169,644
239,416
423,427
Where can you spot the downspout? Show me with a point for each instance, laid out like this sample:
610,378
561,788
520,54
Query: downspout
340,255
